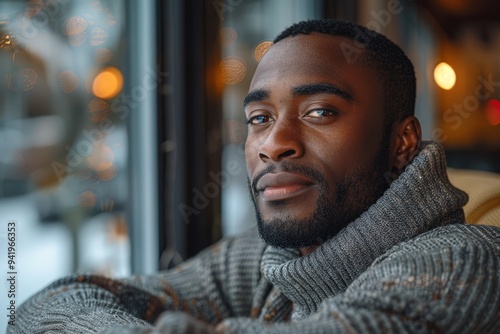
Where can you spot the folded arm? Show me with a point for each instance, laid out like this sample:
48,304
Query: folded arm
203,288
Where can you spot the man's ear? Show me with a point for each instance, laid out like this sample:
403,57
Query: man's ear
405,143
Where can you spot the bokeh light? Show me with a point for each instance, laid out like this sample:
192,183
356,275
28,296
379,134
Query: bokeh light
77,40
445,76
107,174
101,158
261,49
69,81
108,83
228,36
6,42
34,7
98,109
103,55
492,112
232,70
75,25
98,36
110,20
87,199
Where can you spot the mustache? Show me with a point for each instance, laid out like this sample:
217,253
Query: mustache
288,166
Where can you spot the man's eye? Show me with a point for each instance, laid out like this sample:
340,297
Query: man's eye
260,119
321,113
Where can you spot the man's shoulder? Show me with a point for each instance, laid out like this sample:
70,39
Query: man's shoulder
453,238
463,234
458,236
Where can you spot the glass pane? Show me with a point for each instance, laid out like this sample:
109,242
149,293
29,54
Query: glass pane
63,172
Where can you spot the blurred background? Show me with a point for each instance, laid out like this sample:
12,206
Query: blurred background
122,128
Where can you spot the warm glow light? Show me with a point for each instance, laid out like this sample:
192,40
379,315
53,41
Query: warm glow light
493,112
34,6
75,25
77,40
445,76
232,70
87,199
101,158
108,83
110,20
98,109
228,36
69,81
103,55
98,36
261,49
107,174
6,42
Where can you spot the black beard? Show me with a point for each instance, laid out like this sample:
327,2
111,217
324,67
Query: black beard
334,209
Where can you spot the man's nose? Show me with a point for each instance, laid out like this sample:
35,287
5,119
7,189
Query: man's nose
284,141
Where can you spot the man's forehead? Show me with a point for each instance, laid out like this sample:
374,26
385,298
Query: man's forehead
317,43
313,59
306,57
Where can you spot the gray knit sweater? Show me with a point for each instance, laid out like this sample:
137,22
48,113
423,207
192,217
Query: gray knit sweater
407,264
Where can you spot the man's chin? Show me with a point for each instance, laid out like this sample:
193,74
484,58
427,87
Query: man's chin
287,212
289,234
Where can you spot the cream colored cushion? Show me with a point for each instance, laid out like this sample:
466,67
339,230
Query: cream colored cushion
483,189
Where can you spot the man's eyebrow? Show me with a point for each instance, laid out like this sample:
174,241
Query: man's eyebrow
255,96
321,88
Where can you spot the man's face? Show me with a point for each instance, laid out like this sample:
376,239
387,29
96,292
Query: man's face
314,149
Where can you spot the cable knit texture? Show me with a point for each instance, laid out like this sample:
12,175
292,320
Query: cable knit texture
408,264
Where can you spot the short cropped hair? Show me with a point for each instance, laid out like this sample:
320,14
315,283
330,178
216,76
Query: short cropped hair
392,66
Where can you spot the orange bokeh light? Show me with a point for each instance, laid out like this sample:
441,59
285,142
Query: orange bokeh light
69,81
232,70
445,76
107,174
228,36
101,158
98,109
261,49
108,83
75,25
87,199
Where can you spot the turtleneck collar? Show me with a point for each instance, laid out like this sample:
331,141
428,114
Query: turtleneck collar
420,199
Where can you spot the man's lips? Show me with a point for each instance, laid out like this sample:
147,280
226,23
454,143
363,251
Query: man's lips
283,185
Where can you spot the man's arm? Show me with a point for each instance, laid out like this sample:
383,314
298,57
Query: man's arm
438,284
203,287
432,284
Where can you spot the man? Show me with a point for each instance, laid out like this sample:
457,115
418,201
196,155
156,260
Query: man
362,230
